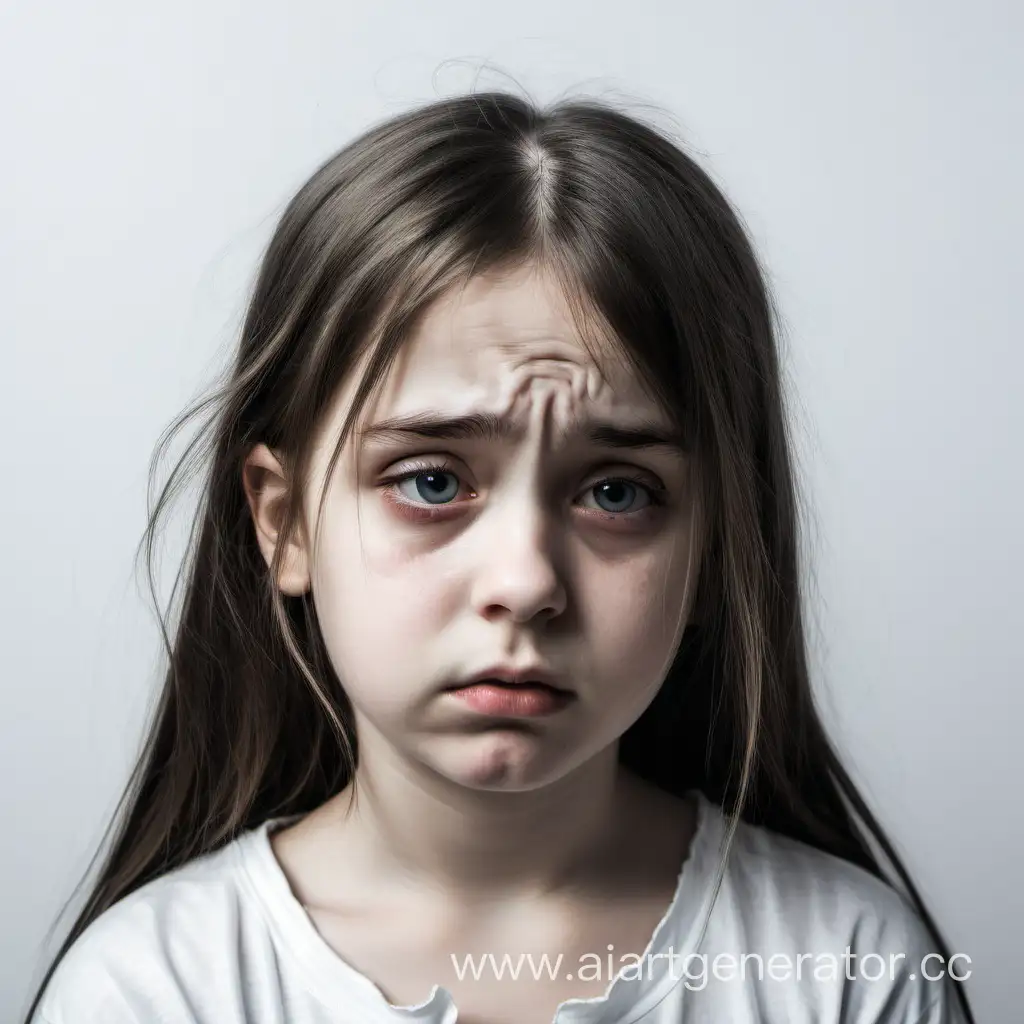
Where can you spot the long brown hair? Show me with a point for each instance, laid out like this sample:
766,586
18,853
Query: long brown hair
252,721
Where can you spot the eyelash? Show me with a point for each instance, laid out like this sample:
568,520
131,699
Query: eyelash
431,513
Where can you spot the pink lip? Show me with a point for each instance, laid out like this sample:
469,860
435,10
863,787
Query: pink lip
520,701
525,676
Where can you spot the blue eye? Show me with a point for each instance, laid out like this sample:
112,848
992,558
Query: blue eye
430,483
435,487
618,491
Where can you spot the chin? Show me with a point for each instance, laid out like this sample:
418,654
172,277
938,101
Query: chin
504,761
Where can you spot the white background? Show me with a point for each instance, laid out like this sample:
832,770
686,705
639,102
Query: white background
874,149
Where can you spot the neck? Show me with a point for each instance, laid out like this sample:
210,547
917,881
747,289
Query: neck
402,820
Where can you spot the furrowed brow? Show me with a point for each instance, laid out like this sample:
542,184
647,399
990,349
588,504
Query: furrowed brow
492,427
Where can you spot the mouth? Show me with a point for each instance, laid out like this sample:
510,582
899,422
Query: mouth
522,697
526,684
501,675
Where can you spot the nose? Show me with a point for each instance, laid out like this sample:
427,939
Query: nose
518,575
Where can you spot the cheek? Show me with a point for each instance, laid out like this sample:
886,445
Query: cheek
634,618
378,603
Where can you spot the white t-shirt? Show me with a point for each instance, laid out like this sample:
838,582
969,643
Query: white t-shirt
223,940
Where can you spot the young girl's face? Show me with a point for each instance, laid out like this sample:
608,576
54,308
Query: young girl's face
519,550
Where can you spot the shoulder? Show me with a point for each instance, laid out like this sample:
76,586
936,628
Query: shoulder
856,946
779,870
154,950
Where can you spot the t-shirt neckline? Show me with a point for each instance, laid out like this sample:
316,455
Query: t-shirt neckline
337,984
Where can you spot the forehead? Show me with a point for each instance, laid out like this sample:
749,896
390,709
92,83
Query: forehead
496,335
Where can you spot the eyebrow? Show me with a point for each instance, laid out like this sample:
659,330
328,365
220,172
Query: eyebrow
484,426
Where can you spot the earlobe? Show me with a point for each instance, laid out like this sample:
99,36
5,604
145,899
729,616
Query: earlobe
267,491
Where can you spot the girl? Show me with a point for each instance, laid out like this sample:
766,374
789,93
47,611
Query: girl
488,698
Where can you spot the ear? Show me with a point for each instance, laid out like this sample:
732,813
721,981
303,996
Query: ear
267,490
